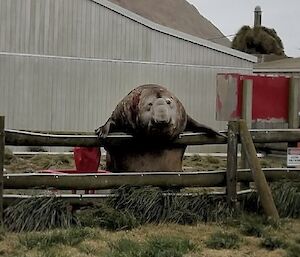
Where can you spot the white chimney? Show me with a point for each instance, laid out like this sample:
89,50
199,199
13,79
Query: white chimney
257,16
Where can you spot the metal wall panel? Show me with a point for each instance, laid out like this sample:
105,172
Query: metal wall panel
65,64
39,92
84,28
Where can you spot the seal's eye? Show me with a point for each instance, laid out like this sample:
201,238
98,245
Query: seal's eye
149,106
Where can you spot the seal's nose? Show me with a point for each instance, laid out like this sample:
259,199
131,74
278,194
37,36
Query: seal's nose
161,111
160,101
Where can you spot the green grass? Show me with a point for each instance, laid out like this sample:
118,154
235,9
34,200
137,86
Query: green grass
44,241
251,225
272,243
293,250
162,240
223,240
153,247
125,248
168,247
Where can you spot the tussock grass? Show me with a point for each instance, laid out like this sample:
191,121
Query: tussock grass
131,208
286,196
223,240
39,213
105,216
135,206
151,204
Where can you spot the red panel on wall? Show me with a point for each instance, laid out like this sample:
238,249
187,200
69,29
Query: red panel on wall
269,97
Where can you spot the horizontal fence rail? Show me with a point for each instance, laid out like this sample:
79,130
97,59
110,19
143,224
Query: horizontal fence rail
86,199
73,199
26,138
115,180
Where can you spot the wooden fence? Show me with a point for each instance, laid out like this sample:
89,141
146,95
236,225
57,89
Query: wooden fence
228,178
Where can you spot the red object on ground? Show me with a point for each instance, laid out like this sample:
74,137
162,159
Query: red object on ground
87,159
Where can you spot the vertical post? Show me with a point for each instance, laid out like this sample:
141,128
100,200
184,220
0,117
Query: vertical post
246,113
247,101
293,121
2,144
259,178
293,102
231,173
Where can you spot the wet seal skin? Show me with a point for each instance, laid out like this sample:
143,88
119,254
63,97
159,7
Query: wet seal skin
154,116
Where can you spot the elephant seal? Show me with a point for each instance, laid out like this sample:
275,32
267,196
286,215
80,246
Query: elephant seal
152,112
155,117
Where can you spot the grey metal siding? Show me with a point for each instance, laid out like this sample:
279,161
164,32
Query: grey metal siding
40,92
84,28
65,64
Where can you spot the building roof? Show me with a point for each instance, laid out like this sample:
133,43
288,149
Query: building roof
282,65
175,33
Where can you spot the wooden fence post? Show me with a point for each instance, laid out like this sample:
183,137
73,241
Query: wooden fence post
231,172
2,145
259,178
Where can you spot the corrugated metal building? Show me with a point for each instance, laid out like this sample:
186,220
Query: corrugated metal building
65,64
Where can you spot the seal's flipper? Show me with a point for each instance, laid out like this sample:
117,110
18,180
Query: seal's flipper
103,131
194,126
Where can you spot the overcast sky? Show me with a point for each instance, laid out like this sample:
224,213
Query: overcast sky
230,15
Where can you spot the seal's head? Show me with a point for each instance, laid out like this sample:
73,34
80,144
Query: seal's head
160,113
